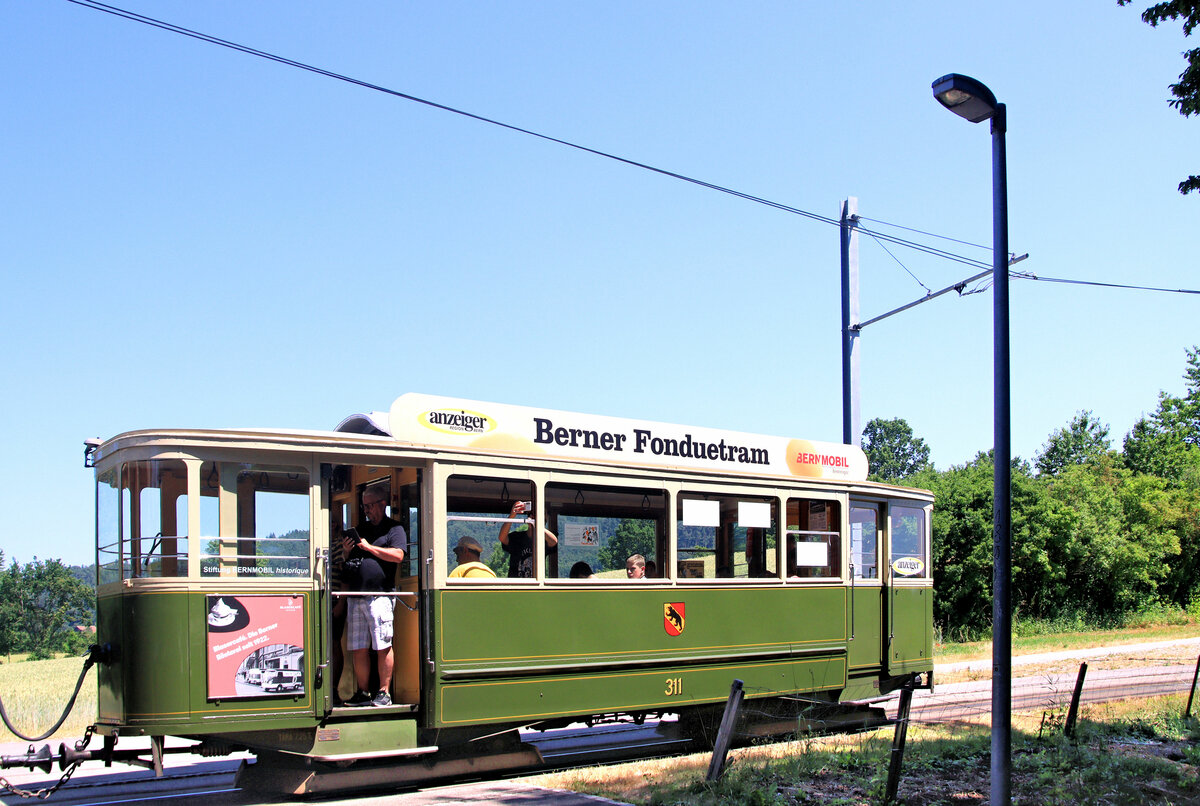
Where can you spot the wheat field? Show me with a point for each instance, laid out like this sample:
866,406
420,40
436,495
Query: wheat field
35,692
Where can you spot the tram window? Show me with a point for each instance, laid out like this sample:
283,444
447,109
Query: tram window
480,508
600,528
864,542
724,537
908,542
406,509
263,513
814,547
153,519
108,527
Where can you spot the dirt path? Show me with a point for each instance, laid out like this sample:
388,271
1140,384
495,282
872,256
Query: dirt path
1175,649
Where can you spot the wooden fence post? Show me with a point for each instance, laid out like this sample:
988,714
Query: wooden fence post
725,733
1187,714
896,761
1073,711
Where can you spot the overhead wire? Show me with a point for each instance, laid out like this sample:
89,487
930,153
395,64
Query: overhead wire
923,232
928,290
1028,276
95,5
178,29
880,237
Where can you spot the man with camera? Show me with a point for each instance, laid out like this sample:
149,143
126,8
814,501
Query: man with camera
519,543
372,553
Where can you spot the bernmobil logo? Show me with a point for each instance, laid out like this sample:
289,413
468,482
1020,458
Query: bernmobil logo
457,421
828,460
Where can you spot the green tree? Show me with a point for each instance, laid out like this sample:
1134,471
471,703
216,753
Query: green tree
1167,443
1113,536
1176,508
497,560
962,544
8,604
633,536
893,452
1187,89
43,605
1083,440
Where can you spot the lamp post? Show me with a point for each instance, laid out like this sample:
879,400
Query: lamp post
968,98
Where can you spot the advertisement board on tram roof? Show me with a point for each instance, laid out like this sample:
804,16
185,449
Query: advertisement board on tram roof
500,428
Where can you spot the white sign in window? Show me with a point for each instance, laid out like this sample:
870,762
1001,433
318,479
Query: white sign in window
581,534
754,515
815,555
701,513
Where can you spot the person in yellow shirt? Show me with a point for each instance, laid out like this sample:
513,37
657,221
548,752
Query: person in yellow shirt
467,552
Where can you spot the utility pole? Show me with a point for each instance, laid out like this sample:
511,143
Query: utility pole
852,326
851,416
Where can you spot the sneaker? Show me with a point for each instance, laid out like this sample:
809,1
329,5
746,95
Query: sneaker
359,699
382,700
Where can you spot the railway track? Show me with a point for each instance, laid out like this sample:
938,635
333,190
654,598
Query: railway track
210,782
1047,692
214,783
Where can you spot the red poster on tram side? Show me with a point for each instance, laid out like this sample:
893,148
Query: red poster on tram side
255,645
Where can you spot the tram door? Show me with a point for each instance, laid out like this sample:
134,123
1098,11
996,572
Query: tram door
909,589
400,489
867,636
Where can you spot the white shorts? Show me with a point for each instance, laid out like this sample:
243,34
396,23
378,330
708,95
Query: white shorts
369,623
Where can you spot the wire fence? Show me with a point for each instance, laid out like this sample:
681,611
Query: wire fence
1106,680
1047,699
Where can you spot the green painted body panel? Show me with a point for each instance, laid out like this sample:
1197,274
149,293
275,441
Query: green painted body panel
507,655
861,688
364,732
911,619
522,655
110,704
158,682
866,647
664,688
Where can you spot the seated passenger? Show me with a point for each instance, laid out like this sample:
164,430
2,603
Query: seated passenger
519,544
651,570
635,567
582,570
467,552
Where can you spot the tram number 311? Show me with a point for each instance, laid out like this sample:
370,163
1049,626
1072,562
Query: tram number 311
674,686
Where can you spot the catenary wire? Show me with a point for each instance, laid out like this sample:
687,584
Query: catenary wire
177,29
166,26
1027,276
928,290
879,236
923,232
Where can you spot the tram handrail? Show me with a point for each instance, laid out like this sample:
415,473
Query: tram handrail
389,594
252,556
486,519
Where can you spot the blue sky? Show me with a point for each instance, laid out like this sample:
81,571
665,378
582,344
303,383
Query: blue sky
194,237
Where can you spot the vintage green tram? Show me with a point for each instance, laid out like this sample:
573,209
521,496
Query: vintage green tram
770,560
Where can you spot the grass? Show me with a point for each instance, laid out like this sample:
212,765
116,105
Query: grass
35,692
1133,753
1030,638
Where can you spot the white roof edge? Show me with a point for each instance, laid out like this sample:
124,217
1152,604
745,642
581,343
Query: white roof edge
373,422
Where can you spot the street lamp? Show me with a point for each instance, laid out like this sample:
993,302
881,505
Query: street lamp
970,99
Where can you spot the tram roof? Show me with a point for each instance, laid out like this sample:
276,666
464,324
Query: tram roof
433,422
